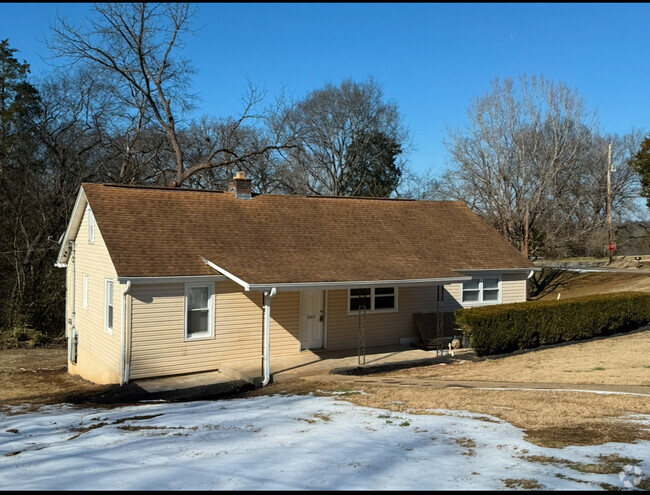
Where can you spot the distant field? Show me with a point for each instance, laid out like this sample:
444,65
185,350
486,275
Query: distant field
573,284
617,261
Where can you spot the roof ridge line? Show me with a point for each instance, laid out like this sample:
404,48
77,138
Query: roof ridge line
156,188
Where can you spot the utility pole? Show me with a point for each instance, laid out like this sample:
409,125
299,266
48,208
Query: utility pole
609,203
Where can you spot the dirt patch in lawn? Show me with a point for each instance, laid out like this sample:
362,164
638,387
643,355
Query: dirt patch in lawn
605,464
39,376
526,484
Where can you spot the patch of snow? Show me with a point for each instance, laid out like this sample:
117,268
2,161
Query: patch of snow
280,443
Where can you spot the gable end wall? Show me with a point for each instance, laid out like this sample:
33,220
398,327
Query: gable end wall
99,352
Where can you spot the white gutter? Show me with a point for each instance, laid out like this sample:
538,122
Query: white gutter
357,284
169,280
124,365
532,272
227,274
504,270
267,335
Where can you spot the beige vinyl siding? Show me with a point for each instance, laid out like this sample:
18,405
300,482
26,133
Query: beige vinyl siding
285,324
238,325
382,328
99,352
158,329
453,293
158,344
514,288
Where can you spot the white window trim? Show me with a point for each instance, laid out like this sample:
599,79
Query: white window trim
211,305
108,329
480,301
86,283
372,301
91,226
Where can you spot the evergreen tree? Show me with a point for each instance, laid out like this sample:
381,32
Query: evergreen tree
641,163
19,103
372,169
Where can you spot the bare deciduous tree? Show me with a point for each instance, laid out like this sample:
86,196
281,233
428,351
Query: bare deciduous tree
511,158
135,45
532,162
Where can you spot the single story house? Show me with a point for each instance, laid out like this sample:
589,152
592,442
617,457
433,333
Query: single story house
164,281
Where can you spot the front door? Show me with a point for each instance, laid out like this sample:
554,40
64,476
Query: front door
311,319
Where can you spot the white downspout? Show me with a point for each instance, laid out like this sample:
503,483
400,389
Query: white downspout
73,313
268,294
124,364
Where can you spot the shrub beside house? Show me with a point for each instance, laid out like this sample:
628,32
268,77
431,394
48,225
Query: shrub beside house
510,327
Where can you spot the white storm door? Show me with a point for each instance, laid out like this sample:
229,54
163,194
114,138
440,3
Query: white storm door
311,319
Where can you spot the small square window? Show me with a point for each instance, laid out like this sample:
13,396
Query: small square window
384,298
491,295
470,296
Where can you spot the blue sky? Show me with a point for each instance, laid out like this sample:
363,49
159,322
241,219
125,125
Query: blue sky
430,59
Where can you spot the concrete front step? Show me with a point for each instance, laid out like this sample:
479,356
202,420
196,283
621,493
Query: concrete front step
245,373
189,386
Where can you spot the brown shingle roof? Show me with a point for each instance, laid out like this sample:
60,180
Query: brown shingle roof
157,232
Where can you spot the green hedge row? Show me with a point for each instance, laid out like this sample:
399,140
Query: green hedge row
505,328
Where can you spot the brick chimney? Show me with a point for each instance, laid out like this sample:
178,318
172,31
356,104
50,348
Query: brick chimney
240,186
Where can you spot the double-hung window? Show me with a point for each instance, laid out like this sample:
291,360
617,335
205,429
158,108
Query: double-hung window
199,311
372,299
482,290
108,306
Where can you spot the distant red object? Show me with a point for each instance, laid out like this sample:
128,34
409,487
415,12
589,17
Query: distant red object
611,246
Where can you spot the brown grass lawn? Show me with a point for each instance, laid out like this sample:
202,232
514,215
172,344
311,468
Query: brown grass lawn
616,360
574,284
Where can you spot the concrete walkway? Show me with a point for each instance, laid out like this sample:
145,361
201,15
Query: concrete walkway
343,366
323,362
238,374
